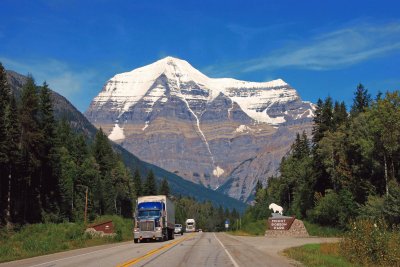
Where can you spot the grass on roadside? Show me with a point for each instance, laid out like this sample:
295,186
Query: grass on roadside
325,254
40,239
322,231
256,228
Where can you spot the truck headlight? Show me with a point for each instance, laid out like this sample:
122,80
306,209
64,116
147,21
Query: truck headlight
158,229
136,229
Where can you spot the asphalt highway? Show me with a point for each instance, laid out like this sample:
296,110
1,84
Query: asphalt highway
191,249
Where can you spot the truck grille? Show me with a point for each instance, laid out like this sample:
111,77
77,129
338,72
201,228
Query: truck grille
146,226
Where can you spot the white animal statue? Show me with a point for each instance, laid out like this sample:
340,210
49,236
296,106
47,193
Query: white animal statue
276,208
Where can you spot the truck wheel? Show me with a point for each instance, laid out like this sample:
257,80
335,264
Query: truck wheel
135,240
171,234
165,235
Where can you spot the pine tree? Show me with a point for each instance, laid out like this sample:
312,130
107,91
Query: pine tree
31,141
164,188
103,152
150,186
50,161
137,181
4,103
13,154
361,101
339,115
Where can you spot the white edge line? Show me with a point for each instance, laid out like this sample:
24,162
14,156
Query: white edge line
76,255
227,252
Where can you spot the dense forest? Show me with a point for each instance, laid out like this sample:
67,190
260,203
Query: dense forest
46,168
348,169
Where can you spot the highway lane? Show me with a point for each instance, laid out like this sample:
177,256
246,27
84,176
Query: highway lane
195,249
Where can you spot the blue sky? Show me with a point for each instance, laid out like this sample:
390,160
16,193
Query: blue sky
319,47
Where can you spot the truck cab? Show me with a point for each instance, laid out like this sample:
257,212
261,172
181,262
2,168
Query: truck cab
154,219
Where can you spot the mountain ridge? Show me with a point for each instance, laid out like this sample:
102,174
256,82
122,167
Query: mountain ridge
171,115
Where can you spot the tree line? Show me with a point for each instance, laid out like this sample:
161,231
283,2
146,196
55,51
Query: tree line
207,216
349,168
46,166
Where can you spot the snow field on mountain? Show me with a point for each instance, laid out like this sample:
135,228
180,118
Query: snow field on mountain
126,89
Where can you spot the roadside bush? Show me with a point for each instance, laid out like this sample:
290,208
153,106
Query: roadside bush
334,209
255,228
372,243
326,211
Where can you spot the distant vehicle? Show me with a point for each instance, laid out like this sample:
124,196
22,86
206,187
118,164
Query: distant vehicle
154,219
190,225
200,230
178,229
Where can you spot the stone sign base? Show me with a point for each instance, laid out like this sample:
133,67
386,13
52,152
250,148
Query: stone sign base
297,229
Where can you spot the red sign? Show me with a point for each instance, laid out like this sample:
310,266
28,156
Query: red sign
280,223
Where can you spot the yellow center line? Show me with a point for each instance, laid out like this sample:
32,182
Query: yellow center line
151,252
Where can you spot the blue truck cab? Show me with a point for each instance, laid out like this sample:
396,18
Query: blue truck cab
154,219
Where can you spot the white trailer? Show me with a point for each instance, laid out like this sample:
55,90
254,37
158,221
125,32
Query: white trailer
190,225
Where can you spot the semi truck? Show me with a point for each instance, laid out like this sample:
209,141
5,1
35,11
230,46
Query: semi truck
154,219
190,225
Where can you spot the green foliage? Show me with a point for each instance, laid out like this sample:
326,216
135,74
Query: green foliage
207,217
164,188
255,227
325,254
334,209
391,207
39,239
361,101
352,169
371,243
47,167
150,186
322,231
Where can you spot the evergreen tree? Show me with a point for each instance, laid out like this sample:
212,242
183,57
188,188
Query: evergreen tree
137,181
31,141
13,133
150,186
164,188
322,119
50,162
361,101
4,102
339,115
103,152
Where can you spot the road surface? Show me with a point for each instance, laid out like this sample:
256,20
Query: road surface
194,249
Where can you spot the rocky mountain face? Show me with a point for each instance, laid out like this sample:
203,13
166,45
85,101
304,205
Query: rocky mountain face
222,133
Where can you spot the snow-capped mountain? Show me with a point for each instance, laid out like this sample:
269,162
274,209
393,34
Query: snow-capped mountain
170,114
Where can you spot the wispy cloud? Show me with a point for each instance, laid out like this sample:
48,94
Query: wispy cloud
60,76
334,50
247,33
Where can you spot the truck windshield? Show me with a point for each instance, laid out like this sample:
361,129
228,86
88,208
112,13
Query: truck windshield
145,213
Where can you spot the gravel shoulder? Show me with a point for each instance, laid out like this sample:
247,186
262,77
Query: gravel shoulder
275,246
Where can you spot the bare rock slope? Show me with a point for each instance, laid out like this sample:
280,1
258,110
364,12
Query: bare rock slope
221,133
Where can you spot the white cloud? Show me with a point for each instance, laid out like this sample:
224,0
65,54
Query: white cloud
337,49
60,76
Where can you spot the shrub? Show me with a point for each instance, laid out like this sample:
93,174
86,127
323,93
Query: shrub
326,211
372,243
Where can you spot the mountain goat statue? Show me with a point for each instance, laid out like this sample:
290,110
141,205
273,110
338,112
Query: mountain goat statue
276,208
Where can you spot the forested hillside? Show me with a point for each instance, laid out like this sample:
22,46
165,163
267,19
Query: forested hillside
46,165
350,168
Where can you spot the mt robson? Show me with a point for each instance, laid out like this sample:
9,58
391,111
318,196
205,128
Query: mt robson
225,134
